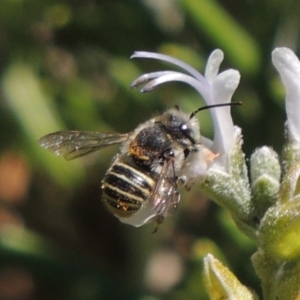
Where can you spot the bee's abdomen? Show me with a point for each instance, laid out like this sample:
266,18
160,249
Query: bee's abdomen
125,189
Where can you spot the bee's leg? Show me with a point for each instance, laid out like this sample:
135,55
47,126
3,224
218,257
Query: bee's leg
169,156
158,221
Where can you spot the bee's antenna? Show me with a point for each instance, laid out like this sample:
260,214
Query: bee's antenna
212,106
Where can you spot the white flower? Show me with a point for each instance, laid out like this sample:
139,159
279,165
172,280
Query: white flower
288,66
213,87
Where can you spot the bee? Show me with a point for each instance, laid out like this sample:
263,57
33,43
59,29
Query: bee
142,181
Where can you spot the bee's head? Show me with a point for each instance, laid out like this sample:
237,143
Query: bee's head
184,127
180,126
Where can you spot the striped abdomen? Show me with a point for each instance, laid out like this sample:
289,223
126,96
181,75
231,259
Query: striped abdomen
124,189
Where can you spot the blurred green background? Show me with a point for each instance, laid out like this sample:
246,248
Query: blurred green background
65,65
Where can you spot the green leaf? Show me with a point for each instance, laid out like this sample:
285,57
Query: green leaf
219,26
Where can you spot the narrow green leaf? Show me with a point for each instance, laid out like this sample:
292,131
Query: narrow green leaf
37,117
218,25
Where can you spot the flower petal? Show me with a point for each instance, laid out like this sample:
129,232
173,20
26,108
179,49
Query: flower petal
213,65
147,77
288,66
223,88
177,76
172,60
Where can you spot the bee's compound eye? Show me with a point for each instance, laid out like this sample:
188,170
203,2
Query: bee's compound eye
186,131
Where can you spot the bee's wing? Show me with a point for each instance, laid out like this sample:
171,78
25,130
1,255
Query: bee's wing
73,144
166,196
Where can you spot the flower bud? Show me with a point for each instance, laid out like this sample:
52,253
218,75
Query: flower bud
280,279
222,284
265,176
290,187
290,155
279,231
